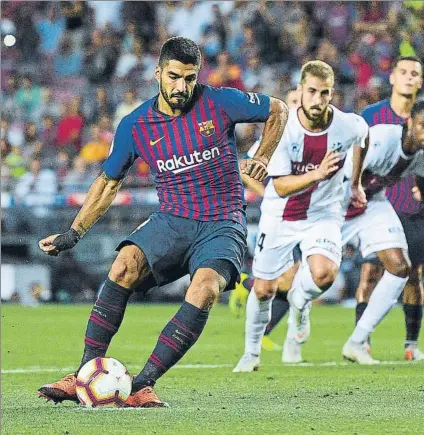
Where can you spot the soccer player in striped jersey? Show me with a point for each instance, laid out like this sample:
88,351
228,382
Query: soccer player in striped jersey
406,198
186,135
303,206
393,148
406,79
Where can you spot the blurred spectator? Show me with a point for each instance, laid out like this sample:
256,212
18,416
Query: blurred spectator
68,61
36,180
147,27
79,177
130,59
189,19
69,129
32,145
10,105
101,57
76,14
15,163
48,133
5,169
26,34
61,165
124,108
98,106
107,13
258,77
337,23
48,106
106,129
50,30
96,150
226,73
28,98
214,35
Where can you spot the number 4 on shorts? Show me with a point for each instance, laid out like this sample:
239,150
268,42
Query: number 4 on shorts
261,241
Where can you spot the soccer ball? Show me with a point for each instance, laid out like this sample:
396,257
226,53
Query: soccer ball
103,382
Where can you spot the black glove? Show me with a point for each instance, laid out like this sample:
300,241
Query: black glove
66,240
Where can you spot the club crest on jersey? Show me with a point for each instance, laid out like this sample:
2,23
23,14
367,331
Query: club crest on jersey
295,147
337,146
206,128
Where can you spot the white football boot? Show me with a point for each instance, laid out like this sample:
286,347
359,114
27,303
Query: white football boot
357,352
248,363
291,351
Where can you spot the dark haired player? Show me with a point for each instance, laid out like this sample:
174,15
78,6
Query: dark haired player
186,135
406,79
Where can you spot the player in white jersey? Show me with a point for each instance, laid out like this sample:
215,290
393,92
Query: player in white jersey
303,206
393,149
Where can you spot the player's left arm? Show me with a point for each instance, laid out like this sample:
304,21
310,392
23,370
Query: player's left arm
247,107
360,149
255,167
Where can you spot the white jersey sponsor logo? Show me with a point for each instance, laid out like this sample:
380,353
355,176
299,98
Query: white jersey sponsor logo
183,163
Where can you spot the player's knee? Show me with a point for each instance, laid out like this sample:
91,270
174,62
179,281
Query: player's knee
324,275
398,266
210,290
124,271
265,290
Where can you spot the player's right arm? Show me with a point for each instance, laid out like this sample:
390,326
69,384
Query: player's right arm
289,184
101,193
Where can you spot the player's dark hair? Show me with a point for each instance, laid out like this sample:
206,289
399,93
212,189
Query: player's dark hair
401,58
182,49
417,108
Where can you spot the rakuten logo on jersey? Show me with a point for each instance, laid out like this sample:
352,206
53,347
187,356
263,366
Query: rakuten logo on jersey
302,168
184,163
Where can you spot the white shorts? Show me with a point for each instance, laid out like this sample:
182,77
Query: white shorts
277,239
379,228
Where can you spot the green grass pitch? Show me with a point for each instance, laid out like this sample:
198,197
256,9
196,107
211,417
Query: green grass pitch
41,344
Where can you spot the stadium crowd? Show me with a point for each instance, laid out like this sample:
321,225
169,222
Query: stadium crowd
78,67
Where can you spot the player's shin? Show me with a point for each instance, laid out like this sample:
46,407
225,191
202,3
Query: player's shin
178,336
384,296
105,319
258,315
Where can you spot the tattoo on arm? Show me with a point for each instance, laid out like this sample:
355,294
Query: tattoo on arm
81,229
104,177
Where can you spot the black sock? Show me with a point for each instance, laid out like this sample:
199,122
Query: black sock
105,319
181,332
280,306
360,308
413,319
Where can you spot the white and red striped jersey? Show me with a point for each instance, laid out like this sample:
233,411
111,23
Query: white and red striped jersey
301,151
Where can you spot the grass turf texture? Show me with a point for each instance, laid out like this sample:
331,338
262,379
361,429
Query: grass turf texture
342,399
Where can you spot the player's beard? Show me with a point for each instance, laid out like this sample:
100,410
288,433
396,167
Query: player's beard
180,104
317,119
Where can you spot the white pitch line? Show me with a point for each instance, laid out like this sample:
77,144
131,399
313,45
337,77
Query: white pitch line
199,366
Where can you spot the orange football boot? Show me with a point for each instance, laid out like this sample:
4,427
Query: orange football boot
145,398
63,389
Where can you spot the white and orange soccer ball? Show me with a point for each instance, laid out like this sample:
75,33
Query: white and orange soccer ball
103,382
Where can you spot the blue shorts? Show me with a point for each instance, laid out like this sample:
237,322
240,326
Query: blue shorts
175,246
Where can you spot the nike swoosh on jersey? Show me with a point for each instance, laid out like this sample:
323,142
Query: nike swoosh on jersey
154,142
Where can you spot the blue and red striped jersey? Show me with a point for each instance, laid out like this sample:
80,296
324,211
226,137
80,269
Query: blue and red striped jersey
193,157
401,197
381,113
